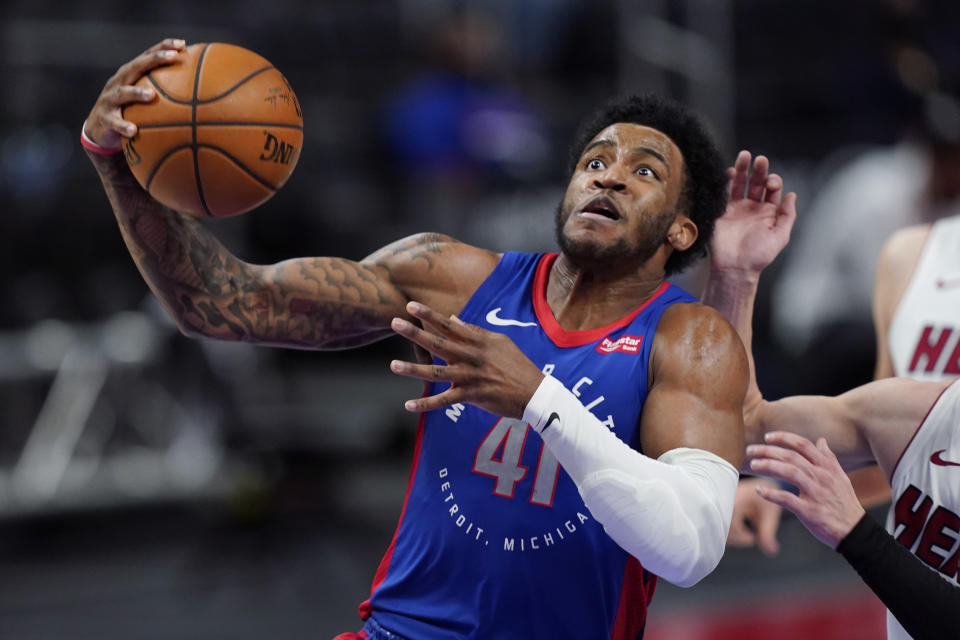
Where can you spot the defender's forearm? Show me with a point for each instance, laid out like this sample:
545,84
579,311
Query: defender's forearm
320,303
733,295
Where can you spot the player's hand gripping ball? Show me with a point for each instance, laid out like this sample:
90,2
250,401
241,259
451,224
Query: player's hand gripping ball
222,135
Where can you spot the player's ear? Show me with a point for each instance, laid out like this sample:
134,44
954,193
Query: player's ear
682,233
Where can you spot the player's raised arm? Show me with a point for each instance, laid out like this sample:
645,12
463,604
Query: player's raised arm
753,230
322,303
870,423
747,238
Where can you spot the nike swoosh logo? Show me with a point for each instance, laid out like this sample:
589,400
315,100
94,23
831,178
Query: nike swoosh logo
494,319
948,283
554,416
936,459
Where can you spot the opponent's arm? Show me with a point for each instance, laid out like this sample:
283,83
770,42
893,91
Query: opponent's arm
670,508
323,303
914,593
827,505
753,230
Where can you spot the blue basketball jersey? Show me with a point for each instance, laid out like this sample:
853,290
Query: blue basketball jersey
494,540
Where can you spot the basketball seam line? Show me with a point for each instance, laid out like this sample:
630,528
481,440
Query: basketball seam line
231,157
194,101
193,109
161,125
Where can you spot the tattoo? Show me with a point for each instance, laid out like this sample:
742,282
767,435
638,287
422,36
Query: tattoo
330,303
423,246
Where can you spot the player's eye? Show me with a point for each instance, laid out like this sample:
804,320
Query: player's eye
646,172
596,164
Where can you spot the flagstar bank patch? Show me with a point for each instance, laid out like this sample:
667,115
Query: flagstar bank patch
623,344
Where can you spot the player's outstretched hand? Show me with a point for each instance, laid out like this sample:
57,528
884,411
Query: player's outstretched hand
827,504
756,225
755,520
105,124
486,369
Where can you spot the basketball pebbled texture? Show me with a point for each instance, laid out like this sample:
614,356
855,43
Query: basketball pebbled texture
222,136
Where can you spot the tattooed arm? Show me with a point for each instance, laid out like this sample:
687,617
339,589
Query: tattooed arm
320,303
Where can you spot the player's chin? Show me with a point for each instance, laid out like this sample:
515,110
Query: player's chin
589,246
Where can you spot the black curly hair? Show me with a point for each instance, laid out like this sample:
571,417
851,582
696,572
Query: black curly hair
704,193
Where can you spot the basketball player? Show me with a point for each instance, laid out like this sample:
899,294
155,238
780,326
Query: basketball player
910,428
916,302
591,436
916,314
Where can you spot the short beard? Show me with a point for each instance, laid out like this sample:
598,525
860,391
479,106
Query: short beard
653,233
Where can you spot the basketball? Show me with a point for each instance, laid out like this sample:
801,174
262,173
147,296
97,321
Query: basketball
222,135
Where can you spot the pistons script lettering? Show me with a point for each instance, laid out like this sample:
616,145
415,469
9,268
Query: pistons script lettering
276,150
937,534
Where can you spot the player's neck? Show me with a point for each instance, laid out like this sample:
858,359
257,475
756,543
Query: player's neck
584,298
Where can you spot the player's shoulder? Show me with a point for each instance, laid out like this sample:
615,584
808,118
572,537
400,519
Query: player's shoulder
435,252
902,249
435,268
695,319
692,330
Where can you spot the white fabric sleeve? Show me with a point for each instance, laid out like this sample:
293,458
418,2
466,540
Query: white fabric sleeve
672,514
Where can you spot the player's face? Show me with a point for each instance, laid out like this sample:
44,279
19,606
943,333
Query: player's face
622,197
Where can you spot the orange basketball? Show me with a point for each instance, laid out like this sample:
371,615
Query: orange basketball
222,135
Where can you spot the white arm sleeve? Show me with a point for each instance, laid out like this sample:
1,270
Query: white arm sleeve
672,514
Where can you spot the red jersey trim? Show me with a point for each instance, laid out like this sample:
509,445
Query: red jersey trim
557,334
635,596
916,431
365,608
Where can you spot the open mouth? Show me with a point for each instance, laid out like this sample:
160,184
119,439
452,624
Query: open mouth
602,206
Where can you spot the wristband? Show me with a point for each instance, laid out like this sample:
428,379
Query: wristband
90,145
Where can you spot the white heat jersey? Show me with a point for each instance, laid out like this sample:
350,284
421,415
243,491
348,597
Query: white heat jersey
924,336
925,514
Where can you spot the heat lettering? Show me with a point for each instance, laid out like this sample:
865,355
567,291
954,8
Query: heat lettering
935,535
911,518
928,349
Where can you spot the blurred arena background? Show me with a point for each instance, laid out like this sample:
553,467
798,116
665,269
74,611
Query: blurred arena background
157,487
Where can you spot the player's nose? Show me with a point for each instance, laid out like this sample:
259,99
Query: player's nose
610,179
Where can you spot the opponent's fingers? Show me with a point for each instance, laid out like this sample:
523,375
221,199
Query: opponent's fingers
438,345
787,213
796,443
740,534
451,396
828,457
767,522
758,178
741,171
785,499
773,190
782,469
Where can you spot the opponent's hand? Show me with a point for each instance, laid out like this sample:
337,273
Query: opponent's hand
105,124
755,520
485,369
826,504
756,225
